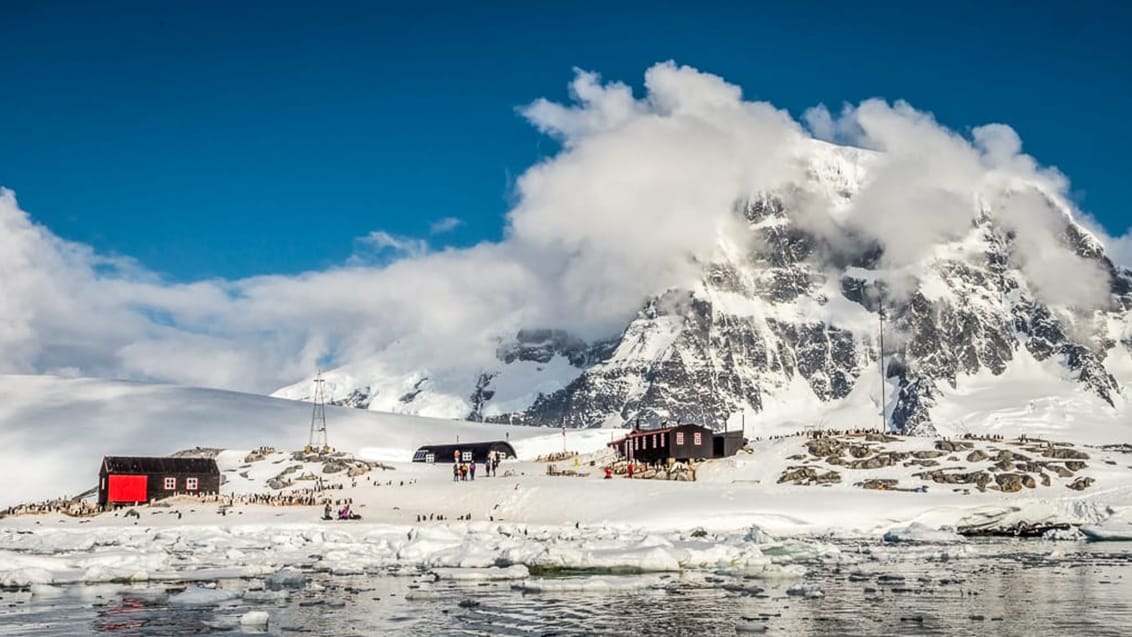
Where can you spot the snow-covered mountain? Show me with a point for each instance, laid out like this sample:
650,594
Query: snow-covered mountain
783,329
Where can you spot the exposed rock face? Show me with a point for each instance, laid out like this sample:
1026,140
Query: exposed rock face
359,398
542,345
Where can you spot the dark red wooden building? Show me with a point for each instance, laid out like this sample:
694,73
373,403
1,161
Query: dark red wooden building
681,442
133,480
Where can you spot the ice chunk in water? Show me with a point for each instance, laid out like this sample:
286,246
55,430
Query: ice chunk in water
254,618
197,596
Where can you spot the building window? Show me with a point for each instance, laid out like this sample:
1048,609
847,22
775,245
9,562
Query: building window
697,438
679,437
467,456
192,484
170,484
636,444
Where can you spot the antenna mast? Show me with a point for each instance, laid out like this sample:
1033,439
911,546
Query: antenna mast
318,417
883,405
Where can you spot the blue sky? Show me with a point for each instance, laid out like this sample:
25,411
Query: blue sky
207,140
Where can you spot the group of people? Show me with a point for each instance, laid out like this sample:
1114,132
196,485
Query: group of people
467,470
344,512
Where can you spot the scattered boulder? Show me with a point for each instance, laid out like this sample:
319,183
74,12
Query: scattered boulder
1010,482
825,447
952,445
876,462
1061,471
1081,483
977,456
882,484
1065,453
808,475
924,455
1075,465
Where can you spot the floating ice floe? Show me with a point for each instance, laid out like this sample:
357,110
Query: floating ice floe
286,578
1071,534
283,554
1117,528
494,573
921,533
254,618
199,596
594,584
805,590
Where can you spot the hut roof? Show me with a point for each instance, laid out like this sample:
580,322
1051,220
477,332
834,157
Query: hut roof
491,445
638,433
139,464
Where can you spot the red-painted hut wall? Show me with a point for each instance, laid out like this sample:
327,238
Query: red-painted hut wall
127,489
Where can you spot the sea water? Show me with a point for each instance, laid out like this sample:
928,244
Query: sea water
994,587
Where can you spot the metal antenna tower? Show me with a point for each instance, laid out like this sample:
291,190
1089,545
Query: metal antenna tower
318,417
883,406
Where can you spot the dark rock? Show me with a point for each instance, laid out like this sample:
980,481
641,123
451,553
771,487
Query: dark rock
1081,483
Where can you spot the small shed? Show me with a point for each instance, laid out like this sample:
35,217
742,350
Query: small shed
134,479
727,443
464,452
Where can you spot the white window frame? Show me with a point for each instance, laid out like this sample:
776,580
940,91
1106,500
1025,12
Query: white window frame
192,484
170,483
697,438
679,437
466,456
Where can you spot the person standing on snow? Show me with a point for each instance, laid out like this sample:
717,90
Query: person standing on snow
472,469
455,472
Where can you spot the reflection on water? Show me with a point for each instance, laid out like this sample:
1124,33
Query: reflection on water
1004,588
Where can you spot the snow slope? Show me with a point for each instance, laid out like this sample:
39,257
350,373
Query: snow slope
54,431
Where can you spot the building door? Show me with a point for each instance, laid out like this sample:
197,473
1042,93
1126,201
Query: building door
127,489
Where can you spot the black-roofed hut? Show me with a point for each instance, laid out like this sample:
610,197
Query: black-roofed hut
135,480
464,452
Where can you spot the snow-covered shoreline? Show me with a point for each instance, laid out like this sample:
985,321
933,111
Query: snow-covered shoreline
736,518
762,512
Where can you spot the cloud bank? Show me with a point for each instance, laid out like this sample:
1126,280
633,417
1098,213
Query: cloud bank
633,203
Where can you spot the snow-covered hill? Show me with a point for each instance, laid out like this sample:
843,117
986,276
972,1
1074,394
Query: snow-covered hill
55,431
784,326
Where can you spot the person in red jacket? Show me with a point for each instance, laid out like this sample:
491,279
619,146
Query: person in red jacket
630,470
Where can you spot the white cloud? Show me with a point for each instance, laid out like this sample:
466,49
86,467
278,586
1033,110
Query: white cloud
380,242
447,224
1119,249
640,192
